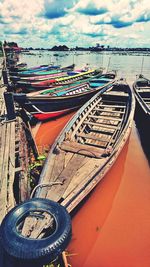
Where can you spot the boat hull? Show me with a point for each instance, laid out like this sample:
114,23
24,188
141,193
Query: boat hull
85,164
44,107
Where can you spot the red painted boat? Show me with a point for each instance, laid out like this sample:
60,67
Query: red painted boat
55,102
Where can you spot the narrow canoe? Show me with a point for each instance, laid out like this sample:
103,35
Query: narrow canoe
141,89
55,81
88,146
58,101
82,154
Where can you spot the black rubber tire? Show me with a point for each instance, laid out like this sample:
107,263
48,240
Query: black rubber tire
44,250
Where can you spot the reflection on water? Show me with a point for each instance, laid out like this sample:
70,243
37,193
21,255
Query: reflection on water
47,132
91,218
112,228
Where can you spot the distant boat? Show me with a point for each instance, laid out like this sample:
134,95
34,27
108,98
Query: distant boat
83,153
55,102
40,70
56,79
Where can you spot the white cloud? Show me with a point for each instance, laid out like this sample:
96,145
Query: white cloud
75,21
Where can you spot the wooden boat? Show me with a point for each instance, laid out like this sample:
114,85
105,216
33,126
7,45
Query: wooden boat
82,154
141,89
56,81
58,101
38,73
52,78
26,81
41,71
34,70
88,146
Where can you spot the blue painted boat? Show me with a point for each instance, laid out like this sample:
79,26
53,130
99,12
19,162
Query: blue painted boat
57,101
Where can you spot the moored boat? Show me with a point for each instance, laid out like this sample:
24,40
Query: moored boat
55,102
54,79
42,70
82,154
141,89
88,146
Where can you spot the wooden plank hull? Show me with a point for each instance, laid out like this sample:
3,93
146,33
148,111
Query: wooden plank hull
82,154
56,81
141,89
87,147
46,105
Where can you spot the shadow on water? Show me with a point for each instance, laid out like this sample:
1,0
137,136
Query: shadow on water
143,126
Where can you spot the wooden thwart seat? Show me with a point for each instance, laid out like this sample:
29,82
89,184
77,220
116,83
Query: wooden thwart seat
105,118
89,136
107,126
112,105
82,149
108,110
116,93
145,89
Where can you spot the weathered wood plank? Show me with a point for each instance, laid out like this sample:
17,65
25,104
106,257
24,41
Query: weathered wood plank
84,117
58,166
90,136
47,175
83,174
2,149
83,149
99,124
11,200
56,191
112,105
104,117
68,157
109,110
3,195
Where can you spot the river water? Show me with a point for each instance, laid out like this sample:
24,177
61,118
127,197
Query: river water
112,228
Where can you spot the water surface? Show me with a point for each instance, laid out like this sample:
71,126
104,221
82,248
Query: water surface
112,228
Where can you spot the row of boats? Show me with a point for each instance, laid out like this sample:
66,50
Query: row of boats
82,154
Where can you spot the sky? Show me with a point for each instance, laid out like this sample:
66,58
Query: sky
45,23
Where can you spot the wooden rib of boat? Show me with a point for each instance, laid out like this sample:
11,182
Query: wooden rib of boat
88,146
141,89
58,101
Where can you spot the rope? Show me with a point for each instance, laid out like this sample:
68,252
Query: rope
44,185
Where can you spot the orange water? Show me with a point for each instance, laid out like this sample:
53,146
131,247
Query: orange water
112,228
47,132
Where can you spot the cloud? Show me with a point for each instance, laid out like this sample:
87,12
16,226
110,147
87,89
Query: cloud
21,31
124,13
95,34
91,8
75,22
144,17
55,9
